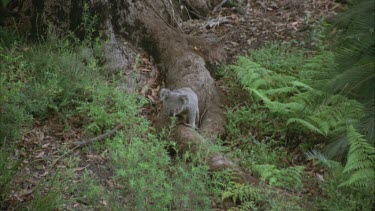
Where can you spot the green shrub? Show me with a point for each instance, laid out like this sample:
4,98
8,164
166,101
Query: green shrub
190,187
342,189
259,198
287,178
279,58
361,162
140,167
8,168
294,103
37,80
109,107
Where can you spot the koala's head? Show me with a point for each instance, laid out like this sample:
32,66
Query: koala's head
174,103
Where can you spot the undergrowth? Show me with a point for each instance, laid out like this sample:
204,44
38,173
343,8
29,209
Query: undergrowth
285,107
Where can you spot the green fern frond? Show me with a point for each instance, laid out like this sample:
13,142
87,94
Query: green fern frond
241,192
363,178
319,69
281,91
331,164
308,125
301,106
361,160
355,52
289,177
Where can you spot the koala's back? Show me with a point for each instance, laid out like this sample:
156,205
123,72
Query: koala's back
185,90
193,99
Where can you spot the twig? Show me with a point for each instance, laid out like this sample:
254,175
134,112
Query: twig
101,137
86,142
216,22
219,5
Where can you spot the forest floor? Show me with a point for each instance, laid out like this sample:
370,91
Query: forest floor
239,30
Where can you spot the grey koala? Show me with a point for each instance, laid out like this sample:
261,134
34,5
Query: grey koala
179,102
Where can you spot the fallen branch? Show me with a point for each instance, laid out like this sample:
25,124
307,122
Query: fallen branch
90,141
99,138
216,22
219,5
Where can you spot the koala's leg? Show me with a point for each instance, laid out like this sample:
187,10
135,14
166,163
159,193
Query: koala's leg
198,118
192,117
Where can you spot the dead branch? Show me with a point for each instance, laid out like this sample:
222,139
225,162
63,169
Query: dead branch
90,141
219,5
216,22
99,138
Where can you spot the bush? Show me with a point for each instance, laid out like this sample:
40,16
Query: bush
40,79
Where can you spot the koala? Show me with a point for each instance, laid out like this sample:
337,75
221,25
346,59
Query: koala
180,102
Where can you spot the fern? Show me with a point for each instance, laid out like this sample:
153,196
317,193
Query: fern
319,70
287,178
308,125
302,107
334,167
361,161
242,192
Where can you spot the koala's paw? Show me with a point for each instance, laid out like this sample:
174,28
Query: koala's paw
192,126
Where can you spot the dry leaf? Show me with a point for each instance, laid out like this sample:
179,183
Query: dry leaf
40,154
45,145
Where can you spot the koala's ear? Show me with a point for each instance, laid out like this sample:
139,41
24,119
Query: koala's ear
164,93
184,99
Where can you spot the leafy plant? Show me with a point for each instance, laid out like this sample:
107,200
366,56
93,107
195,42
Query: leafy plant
40,79
9,168
355,51
361,162
295,102
51,199
140,167
341,194
253,198
288,178
109,107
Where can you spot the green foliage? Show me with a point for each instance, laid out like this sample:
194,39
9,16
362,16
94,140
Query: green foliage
40,79
90,190
47,194
242,121
3,3
110,107
319,69
361,161
278,57
287,178
253,198
294,102
190,187
8,168
13,113
140,167
143,168
286,101
355,51
342,195
243,193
